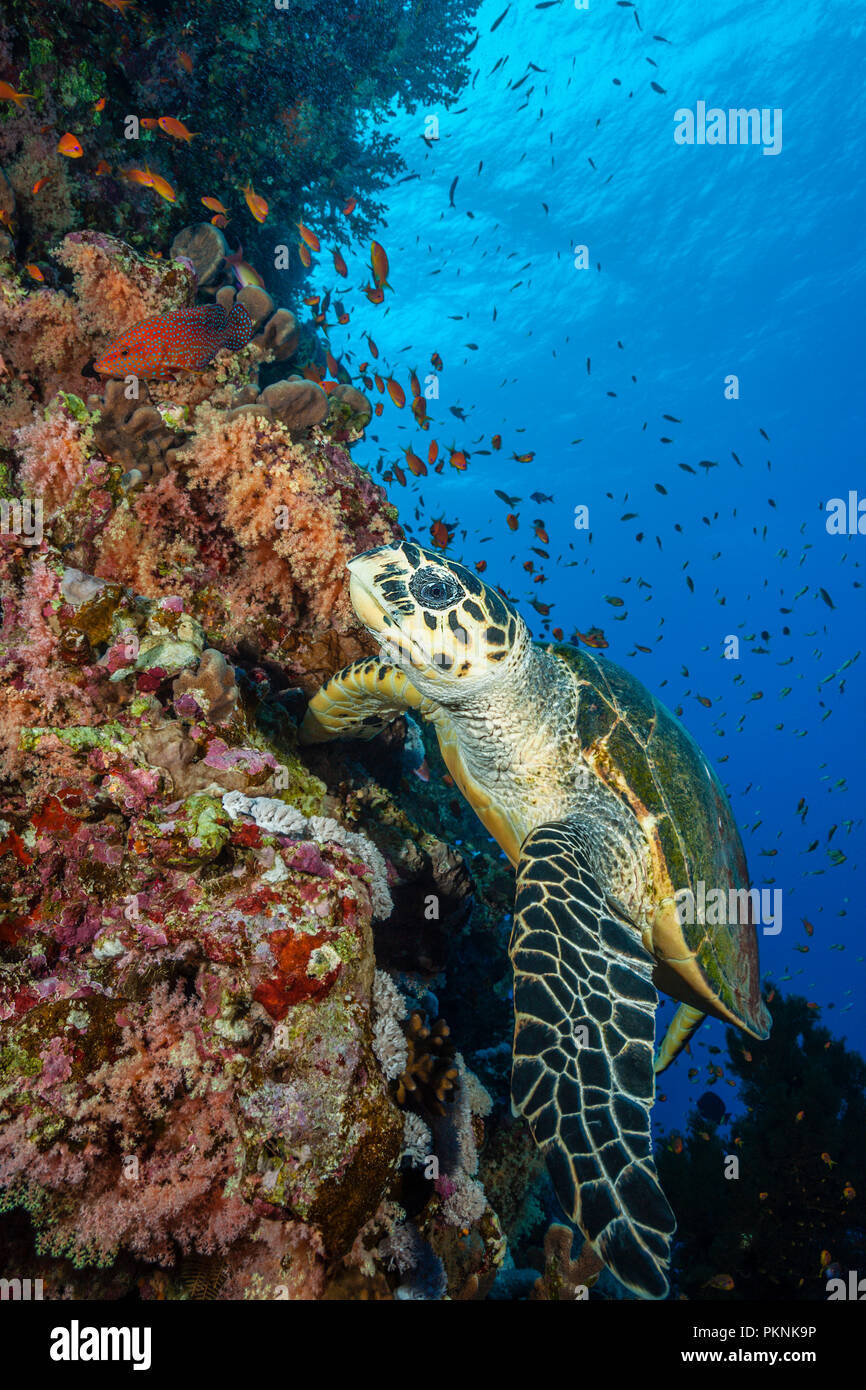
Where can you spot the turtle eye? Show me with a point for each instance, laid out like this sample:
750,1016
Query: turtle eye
433,589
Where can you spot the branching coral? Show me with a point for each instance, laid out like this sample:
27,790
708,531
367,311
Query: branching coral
430,1075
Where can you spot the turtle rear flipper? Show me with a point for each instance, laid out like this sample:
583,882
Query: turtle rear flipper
584,1006
680,1030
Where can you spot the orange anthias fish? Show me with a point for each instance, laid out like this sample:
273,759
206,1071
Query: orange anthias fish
162,187
304,255
40,184
349,207
215,206
70,146
375,294
340,265
257,206
309,237
416,465
172,126
8,93
396,392
34,272
379,263
440,532
143,177
183,341
594,638
185,60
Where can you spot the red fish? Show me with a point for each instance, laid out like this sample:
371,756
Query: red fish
396,392
185,340
340,265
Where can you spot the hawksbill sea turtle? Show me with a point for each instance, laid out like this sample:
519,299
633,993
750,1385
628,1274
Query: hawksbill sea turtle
607,808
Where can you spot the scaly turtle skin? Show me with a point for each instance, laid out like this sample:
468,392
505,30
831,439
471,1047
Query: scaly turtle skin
608,810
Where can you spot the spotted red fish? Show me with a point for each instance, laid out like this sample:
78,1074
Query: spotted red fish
185,340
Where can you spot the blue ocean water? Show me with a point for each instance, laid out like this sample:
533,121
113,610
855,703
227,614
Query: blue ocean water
704,262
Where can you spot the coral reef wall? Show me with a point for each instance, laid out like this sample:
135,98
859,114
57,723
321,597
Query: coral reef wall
209,1084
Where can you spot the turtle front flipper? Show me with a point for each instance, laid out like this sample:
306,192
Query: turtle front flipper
584,1006
359,701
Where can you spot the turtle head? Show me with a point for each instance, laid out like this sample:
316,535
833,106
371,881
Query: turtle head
436,620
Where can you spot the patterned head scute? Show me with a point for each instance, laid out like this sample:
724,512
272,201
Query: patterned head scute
435,619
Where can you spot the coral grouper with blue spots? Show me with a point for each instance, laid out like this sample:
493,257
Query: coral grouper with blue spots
608,809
